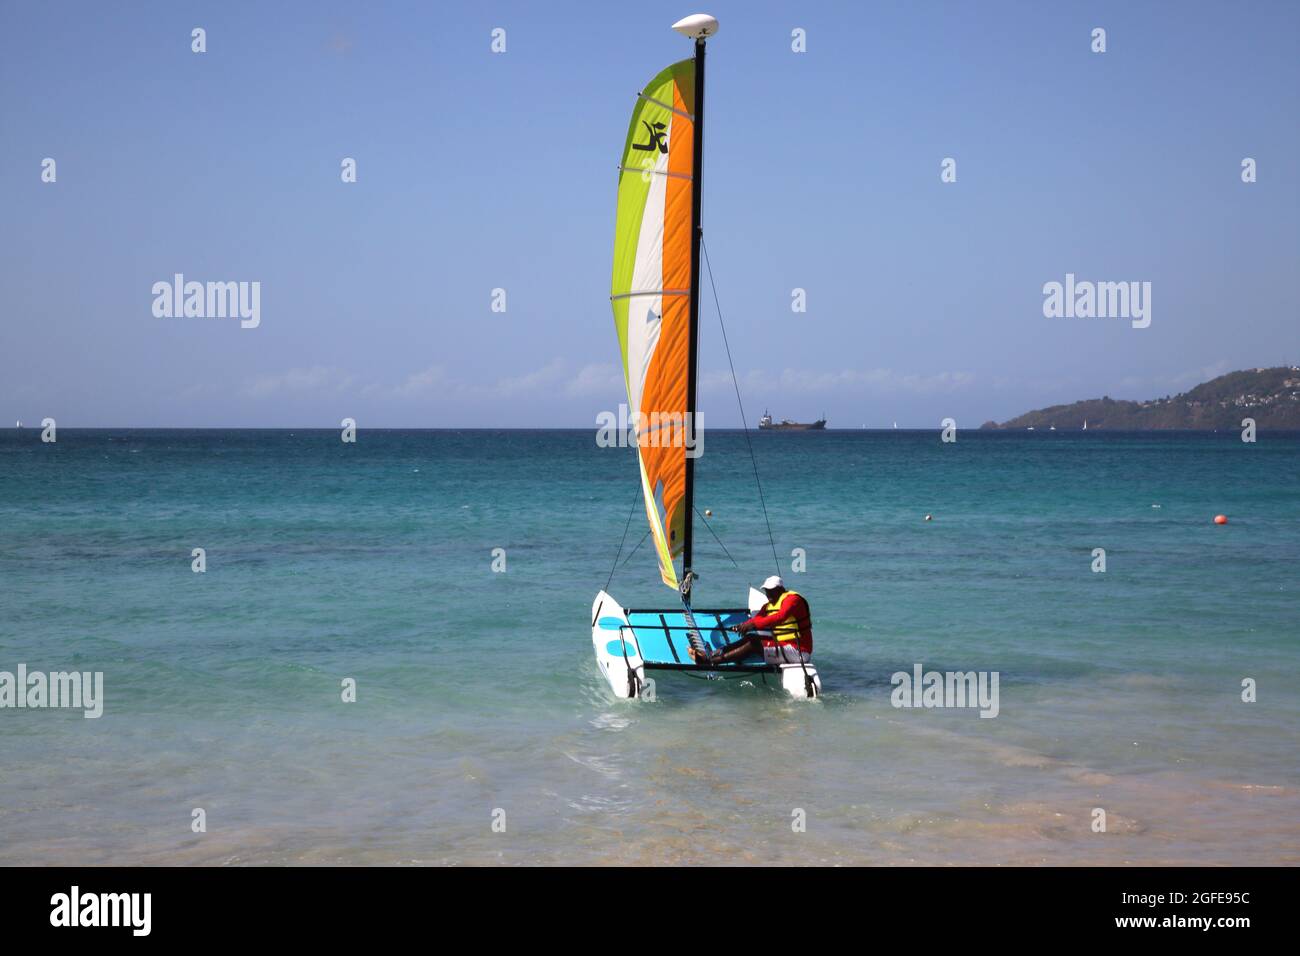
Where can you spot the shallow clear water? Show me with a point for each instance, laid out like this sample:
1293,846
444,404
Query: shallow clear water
478,690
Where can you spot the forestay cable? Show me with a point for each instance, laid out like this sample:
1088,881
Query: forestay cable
622,541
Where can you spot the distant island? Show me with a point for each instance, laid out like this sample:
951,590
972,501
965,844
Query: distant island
1271,396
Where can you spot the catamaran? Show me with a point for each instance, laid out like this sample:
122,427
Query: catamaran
655,294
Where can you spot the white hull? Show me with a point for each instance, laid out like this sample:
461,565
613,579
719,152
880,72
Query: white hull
795,678
624,671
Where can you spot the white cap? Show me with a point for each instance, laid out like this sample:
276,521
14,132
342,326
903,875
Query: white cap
773,582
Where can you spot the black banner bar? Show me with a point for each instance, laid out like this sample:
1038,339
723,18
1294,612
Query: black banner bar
340,904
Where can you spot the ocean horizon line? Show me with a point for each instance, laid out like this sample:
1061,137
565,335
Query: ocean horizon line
593,428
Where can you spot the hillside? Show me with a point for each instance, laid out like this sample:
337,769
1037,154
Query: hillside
1271,396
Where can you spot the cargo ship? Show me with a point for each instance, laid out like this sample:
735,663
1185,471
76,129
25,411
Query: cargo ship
765,423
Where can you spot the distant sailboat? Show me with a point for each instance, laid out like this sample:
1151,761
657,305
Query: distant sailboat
895,424
655,296
1085,424
18,424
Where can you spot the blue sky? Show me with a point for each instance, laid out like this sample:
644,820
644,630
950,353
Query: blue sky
479,171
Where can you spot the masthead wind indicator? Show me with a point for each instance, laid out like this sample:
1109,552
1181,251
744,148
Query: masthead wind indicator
697,26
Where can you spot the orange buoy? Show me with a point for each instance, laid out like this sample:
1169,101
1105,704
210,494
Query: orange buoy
1220,519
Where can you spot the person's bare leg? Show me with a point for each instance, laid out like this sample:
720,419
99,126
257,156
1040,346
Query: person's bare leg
732,653
746,647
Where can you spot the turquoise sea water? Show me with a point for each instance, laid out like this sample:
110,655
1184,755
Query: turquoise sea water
478,692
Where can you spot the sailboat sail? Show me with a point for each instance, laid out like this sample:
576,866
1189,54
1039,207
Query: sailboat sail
650,294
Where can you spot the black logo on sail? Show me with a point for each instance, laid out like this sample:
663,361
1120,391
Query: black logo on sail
658,134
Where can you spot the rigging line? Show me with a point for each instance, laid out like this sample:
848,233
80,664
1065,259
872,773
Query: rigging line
634,550
741,405
715,537
622,541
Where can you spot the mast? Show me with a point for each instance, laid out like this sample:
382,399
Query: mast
697,177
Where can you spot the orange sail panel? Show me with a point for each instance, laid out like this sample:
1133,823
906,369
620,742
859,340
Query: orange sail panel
650,294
